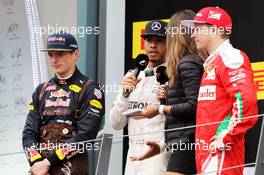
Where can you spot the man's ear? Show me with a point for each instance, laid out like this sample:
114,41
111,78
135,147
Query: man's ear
76,54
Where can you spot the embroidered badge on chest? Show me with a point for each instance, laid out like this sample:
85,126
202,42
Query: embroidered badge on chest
60,93
210,74
98,93
60,100
57,102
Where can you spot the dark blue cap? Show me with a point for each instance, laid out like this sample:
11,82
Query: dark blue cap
155,28
61,42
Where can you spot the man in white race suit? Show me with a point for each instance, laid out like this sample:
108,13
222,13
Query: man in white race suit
143,93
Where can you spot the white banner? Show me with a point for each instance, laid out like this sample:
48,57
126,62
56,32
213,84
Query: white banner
16,85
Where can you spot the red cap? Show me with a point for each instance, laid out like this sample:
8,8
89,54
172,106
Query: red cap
211,15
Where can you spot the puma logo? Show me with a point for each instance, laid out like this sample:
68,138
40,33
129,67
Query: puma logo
66,169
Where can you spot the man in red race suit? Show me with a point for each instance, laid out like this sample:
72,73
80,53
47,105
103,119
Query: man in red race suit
227,95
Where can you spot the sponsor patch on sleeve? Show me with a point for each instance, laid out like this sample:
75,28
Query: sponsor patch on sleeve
98,93
96,104
75,88
34,155
61,153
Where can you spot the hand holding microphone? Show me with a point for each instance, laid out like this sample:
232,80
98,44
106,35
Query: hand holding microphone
162,92
129,82
162,78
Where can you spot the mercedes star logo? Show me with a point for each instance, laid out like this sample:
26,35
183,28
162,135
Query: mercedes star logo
156,26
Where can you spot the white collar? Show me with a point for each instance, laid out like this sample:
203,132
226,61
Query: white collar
155,68
211,57
64,78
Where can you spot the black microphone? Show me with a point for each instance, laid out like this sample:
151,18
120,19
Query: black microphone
162,78
140,64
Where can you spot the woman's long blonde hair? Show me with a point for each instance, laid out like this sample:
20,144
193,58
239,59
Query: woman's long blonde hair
179,43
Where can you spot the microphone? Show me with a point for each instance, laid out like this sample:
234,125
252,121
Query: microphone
140,64
162,78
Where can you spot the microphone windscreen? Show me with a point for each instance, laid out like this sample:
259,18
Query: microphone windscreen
161,75
141,61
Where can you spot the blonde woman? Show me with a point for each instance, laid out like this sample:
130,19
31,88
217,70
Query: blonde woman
184,69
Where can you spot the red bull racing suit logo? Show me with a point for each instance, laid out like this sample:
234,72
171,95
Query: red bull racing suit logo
59,95
58,102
